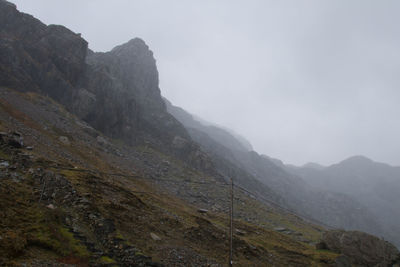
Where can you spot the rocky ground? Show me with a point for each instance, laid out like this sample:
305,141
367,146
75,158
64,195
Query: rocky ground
70,195
95,172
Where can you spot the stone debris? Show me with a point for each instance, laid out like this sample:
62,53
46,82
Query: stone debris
64,140
155,237
202,211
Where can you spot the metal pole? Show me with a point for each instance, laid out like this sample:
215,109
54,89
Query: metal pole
41,194
231,228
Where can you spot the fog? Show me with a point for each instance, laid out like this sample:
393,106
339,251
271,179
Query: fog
301,80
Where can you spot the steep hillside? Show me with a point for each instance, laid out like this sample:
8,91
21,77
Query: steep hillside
331,208
116,92
71,195
95,172
222,136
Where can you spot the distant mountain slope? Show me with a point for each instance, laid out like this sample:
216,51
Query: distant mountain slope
221,146
375,185
334,209
222,136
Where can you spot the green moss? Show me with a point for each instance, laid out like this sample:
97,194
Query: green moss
69,173
4,155
57,239
138,253
105,259
73,245
119,235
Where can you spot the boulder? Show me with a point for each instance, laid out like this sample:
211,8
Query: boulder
64,140
16,140
361,248
202,211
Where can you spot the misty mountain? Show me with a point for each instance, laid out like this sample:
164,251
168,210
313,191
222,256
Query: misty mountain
97,169
313,165
332,208
222,146
116,92
223,136
375,185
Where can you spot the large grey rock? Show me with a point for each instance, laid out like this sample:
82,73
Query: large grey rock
360,248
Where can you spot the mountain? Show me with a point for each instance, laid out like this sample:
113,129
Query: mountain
116,92
313,165
94,170
375,185
324,207
221,146
222,136
347,198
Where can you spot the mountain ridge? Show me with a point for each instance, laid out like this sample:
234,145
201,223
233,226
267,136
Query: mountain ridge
372,183
331,208
94,171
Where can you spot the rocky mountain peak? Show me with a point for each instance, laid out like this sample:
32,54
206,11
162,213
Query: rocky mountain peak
137,67
133,66
135,50
132,45
116,92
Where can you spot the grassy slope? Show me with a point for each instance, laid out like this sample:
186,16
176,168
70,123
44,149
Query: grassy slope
29,230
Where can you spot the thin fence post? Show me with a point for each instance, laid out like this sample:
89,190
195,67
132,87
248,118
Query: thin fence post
43,188
231,227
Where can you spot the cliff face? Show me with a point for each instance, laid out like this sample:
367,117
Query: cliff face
36,57
71,194
121,96
116,92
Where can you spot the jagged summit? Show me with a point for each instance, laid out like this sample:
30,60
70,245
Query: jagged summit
134,43
136,50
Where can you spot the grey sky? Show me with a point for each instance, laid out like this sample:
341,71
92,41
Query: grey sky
302,80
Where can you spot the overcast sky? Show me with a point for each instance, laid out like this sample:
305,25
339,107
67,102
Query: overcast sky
302,80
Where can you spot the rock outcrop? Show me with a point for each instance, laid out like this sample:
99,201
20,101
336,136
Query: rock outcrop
116,92
360,248
122,98
67,189
36,57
